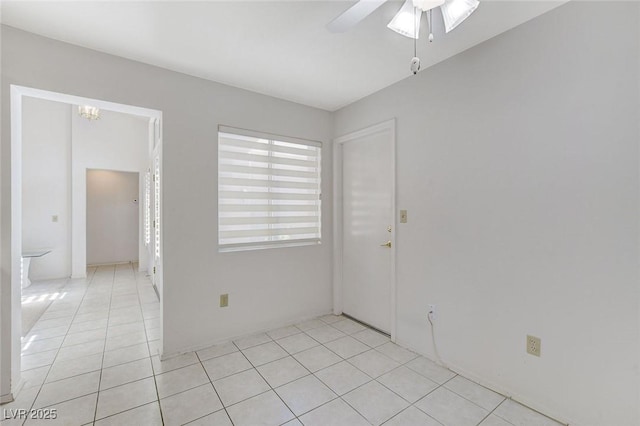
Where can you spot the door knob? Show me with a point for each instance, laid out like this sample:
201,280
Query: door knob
387,244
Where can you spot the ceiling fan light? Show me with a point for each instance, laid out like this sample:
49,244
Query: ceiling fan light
456,11
425,5
407,21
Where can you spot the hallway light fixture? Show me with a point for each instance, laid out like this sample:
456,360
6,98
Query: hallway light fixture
89,112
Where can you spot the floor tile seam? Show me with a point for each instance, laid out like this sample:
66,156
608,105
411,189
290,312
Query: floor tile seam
343,358
128,409
213,386
504,398
355,409
328,341
58,350
306,375
206,415
368,375
327,385
292,354
40,351
323,368
53,405
528,408
265,380
139,379
104,350
83,343
67,399
412,406
155,381
217,356
461,396
403,398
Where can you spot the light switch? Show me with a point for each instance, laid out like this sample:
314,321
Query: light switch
403,216
54,218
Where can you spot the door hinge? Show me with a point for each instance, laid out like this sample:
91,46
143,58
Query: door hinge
154,269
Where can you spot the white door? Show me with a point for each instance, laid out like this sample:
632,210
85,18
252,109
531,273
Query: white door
367,225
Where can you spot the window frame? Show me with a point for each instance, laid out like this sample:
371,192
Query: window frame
260,245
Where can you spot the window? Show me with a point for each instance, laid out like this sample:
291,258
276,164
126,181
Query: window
268,190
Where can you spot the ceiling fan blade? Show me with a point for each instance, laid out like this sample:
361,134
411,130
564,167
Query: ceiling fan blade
353,15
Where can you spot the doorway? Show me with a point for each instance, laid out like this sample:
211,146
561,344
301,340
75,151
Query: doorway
112,217
10,329
364,284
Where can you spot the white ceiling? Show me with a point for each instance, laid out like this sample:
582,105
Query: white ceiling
279,48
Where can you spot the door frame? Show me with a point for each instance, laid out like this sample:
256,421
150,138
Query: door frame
386,126
156,273
10,285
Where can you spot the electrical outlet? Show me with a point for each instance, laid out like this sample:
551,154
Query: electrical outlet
533,345
432,313
224,300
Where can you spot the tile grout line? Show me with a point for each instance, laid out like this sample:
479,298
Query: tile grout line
58,350
144,324
214,389
87,288
371,379
133,381
265,380
95,412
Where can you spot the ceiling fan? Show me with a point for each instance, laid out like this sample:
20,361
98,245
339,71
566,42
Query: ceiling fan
407,21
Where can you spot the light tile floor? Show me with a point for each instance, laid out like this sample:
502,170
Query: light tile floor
93,356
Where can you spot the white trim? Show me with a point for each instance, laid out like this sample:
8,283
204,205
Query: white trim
79,100
10,331
263,135
390,126
264,246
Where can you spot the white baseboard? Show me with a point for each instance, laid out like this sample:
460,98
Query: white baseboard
10,397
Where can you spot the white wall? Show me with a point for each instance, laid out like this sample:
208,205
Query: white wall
281,285
112,217
115,142
518,163
46,179
58,148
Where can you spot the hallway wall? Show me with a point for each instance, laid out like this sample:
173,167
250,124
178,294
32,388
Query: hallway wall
112,217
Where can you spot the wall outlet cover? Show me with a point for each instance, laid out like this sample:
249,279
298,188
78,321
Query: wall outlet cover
533,345
432,312
224,300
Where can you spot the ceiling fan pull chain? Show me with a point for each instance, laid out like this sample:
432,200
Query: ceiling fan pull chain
415,36
429,12
415,61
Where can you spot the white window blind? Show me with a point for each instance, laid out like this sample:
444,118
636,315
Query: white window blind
268,190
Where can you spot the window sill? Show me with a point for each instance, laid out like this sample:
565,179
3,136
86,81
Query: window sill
268,246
